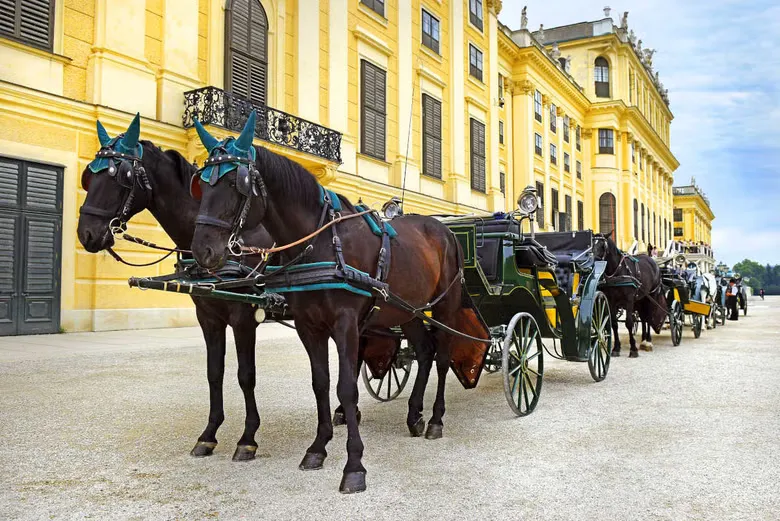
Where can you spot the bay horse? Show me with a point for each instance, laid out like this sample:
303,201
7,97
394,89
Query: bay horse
116,191
631,281
247,185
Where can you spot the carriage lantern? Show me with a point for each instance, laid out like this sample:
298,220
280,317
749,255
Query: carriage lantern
528,202
392,208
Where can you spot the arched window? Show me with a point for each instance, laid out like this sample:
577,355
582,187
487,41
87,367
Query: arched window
601,75
636,220
643,221
246,50
607,215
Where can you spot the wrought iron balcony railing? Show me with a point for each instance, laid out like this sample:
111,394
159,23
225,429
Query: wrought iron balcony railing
213,106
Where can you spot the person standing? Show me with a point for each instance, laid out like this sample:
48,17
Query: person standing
731,299
761,292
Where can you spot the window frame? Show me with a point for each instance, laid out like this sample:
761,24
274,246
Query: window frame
553,154
578,139
538,106
540,212
578,168
580,215
566,162
431,39
566,122
371,4
17,34
425,134
554,196
606,141
475,154
501,132
604,199
675,213
538,144
477,16
599,73
553,118
479,58
230,51
363,108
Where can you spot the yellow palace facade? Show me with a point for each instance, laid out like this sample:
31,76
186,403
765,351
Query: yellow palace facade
435,99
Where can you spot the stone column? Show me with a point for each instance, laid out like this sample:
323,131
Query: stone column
458,183
493,182
308,72
406,88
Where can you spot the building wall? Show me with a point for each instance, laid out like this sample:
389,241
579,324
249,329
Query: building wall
49,102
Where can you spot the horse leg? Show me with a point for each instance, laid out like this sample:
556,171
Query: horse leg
316,344
634,352
244,333
421,341
435,425
214,335
615,332
646,324
347,338
338,414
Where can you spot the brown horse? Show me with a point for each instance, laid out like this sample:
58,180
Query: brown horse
424,269
117,190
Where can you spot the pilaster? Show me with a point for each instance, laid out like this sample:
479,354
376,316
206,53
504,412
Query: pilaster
459,185
309,60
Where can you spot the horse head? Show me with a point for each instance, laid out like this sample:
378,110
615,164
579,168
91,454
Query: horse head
116,185
232,194
605,249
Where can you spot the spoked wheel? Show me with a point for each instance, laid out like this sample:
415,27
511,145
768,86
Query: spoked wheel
493,358
522,362
712,320
676,321
390,386
744,310
600,338
637,320
697,320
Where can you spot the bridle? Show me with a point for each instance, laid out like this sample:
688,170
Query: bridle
249,184
128,172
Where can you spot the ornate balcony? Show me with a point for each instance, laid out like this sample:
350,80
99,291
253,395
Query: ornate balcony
213,106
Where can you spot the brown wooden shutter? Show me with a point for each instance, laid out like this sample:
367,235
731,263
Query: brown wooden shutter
29,21
540,212
247,50
373,108
477,156
432,165
607,215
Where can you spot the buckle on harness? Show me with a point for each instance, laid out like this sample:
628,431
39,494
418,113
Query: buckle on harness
117,227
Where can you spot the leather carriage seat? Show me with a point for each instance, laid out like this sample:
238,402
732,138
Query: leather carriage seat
571,255
489,252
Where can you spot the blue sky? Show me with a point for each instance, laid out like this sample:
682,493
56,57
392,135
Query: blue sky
720,61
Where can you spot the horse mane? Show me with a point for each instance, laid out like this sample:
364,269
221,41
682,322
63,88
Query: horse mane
285,176
182,168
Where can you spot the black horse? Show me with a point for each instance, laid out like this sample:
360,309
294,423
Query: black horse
631,281
244,185
117,189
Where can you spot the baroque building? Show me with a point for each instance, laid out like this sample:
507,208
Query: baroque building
437,101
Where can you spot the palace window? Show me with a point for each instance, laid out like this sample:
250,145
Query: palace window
500,90
553,154
378,6
579,170
566,227
246,50
540,212
502,182
475,62
28,21
500,132
373,110
553,118
633,153
475,13
606,141
538,144
636,220
678,217
430,31
580,215
566,162
601,75
554,198
577,138
678,232
477,155
607,215
431,136
538,106
566,129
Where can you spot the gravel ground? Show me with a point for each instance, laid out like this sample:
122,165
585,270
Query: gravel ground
99,426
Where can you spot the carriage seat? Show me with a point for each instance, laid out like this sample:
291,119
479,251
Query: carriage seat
530,253
570,252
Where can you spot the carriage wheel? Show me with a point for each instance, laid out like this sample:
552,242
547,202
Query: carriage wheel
392,383
697,319
522,362
744,310
637,320
600,338
676,321
712,320
493,358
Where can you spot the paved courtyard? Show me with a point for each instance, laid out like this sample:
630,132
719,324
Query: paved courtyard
99,426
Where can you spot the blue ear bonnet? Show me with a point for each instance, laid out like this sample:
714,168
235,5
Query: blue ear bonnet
116,144
226,146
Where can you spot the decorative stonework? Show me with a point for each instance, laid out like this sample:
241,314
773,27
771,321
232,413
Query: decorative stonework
587,133
495,6
523,86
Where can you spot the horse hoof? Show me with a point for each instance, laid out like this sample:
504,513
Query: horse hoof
416,430
244,453
312,461
615,352
633,354
353,482
649,346
203,449
340,419
433,432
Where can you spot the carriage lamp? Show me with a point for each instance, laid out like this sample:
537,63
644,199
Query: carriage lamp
528,202
259,315
392,208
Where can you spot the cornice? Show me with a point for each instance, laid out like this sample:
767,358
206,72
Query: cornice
361,33
535,57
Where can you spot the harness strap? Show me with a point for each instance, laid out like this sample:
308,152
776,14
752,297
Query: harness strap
117,257
213,221
98,212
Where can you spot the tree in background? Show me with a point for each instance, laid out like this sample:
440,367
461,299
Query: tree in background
767,277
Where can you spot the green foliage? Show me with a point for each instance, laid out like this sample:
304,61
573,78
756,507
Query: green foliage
767,277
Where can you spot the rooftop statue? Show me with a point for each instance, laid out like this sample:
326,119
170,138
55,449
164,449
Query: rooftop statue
524,18
624,21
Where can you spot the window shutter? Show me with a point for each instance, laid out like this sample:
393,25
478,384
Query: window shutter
43,189
432,137
607,214
477,156
30,21
10,173
40,275
373,109
540,213
247,50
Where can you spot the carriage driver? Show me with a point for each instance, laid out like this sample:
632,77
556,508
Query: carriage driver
731,299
